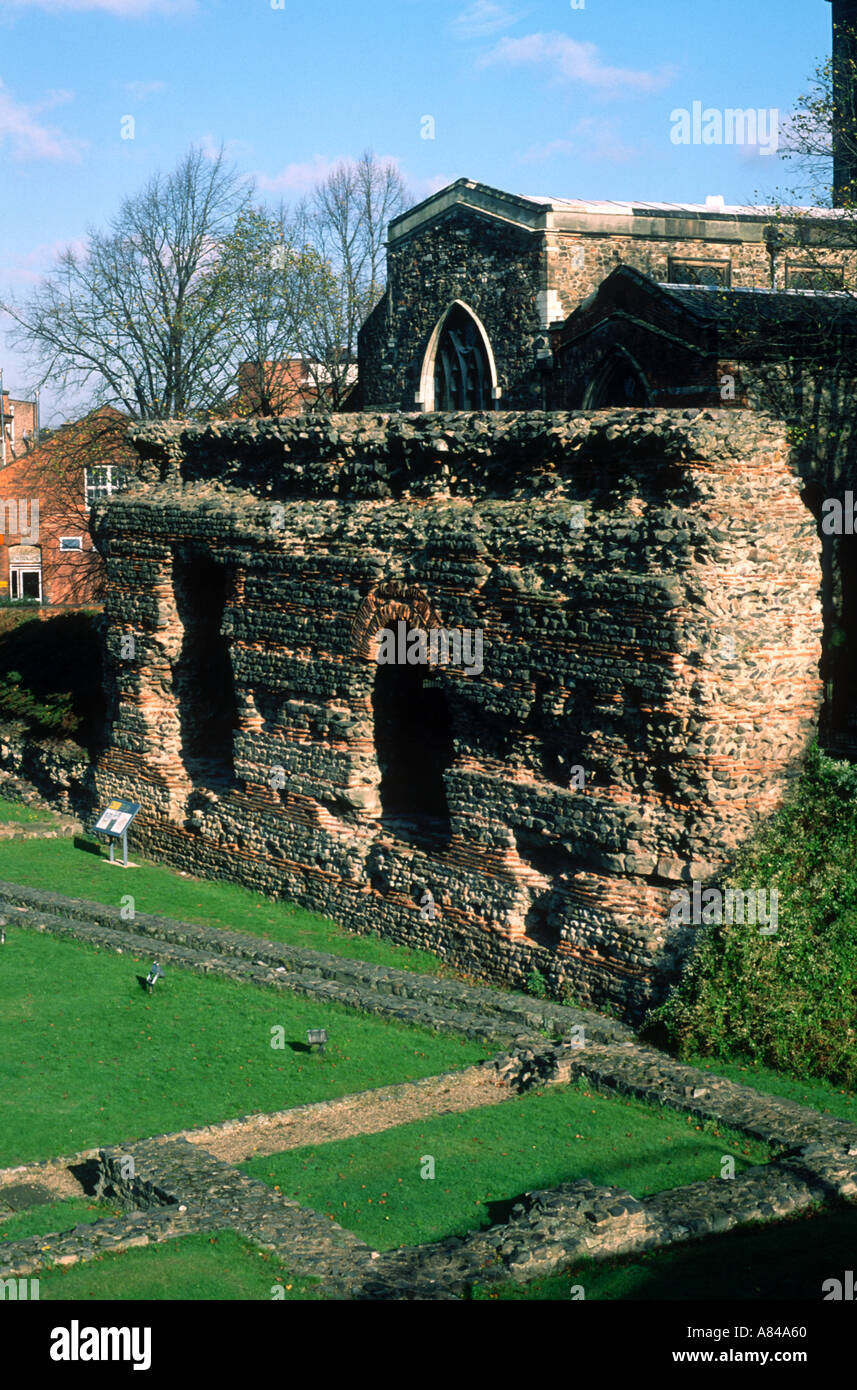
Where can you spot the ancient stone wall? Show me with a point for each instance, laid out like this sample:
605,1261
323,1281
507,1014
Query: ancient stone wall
644,585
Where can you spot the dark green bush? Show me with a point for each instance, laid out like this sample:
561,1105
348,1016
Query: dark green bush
788,1001
50,675
53,715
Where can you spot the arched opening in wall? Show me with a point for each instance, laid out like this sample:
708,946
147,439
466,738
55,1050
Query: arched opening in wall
413,745
459,371
202,676
618,381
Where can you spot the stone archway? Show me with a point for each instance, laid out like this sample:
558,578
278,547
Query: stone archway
459,371
618,381
385,606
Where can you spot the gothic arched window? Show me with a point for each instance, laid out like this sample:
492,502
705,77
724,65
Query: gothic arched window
618,381
462,372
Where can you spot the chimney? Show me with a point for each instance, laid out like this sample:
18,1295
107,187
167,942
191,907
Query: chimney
844,102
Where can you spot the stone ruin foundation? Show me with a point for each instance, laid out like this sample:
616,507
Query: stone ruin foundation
645,585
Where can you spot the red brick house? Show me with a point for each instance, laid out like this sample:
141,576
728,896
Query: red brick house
19,427
46,551
290,387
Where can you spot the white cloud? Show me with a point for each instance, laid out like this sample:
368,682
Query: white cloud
572,61
297,177
589,138
424,187
301,177
481,18
24,136
230,149
139,91
28,269
123,9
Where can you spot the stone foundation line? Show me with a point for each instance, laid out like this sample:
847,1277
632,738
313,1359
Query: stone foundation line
479,1012
181,1187
178,1188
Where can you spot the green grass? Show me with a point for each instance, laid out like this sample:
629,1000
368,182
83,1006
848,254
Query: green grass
60,867
819,1095
485,1158
15,812
52,1217
786,1001
89,1058
195,1267
788,1260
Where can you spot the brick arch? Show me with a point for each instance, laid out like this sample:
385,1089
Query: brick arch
386,605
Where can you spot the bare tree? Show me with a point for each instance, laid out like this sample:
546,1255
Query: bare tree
137,319
346,219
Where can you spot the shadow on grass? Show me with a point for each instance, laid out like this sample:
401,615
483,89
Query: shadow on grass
88,846
790,1260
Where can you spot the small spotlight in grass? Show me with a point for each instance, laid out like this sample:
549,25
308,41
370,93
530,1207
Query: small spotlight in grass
156,973
316,1037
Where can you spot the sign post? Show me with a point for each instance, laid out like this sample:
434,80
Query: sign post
114,821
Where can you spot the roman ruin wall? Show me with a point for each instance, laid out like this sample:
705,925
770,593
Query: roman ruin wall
644,585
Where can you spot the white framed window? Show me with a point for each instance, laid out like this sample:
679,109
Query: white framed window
101,481
25,572
71,542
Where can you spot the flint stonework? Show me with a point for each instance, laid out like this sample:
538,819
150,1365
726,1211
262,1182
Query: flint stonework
646,584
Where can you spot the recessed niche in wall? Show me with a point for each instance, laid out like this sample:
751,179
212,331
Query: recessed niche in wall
413,745
202,676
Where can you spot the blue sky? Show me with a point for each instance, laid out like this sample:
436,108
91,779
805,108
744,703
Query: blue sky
534,97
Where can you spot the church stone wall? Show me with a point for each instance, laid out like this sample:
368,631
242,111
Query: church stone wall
522,267
496,268
646,587
580,262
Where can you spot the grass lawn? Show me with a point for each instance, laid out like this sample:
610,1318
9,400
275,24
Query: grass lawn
53,1217
223,1266
789,1260
60,867
484,1159
89,1058
820,1095
15,812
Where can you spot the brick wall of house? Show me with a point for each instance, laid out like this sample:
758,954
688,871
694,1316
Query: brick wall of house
43,502
19,418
